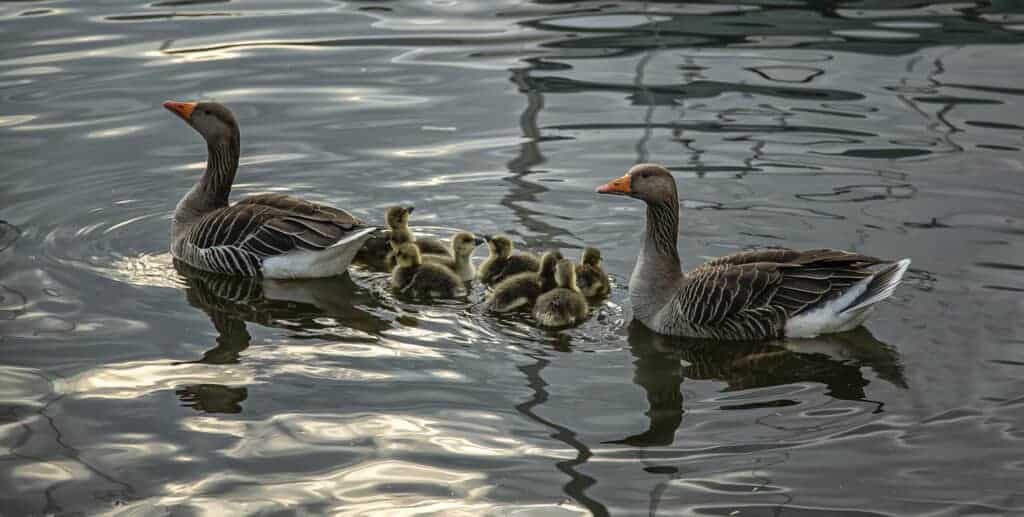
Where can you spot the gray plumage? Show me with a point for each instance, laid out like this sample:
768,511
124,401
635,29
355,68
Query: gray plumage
563,306
750,295
209,234
520,291
416,279
501,263
590,277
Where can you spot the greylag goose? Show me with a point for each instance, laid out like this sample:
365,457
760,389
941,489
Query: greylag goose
563,306
272,235
501,263
756,294
590,277
463,244
417,279
521,291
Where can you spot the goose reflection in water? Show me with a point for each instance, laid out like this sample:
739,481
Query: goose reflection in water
835,360
297,305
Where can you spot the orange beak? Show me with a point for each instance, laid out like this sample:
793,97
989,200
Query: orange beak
617,186
181,109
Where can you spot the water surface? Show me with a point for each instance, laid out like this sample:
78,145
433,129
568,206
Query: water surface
129,387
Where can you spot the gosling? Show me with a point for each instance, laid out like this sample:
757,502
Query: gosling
375,252
565,306
501,263
463,244
397,218
590,277
414,278
521,291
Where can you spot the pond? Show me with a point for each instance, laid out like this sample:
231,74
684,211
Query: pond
128,387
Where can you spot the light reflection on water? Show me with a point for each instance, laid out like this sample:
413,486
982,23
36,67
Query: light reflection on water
131,386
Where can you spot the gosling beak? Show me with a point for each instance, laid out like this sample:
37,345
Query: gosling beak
488,238
181,109
478,241
410,208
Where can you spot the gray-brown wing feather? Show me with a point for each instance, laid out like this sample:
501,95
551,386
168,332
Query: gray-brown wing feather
819,257
237,238
301,207
741,299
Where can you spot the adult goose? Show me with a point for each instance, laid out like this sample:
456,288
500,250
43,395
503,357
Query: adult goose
757,294
272,235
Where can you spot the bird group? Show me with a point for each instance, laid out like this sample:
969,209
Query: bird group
758,294
554,289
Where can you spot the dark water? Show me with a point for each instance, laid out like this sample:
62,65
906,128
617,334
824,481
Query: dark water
890,127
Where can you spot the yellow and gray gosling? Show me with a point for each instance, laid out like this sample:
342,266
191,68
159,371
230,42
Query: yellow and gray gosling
590,277
397,218
521,291
501,263
463,244
563,306
375,251
414,278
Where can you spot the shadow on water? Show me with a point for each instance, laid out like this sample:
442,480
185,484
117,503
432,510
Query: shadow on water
663,363
314,306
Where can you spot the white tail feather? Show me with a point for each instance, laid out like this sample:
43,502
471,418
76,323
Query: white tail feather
343,251
881,286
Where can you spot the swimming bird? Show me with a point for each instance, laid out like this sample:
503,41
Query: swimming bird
273,235
563,306
590,277
501,263
398,222
415,278
757,294
374,253
463,244
521,291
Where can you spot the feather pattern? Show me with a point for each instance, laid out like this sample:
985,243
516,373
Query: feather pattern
732,298
211,235
237,238
766,293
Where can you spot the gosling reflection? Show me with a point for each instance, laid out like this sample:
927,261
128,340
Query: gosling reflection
299,306
663,362
212,398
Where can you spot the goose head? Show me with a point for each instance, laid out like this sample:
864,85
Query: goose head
408,255
648,182
213,121
397,217
548,261
591,257
463,243
500,246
